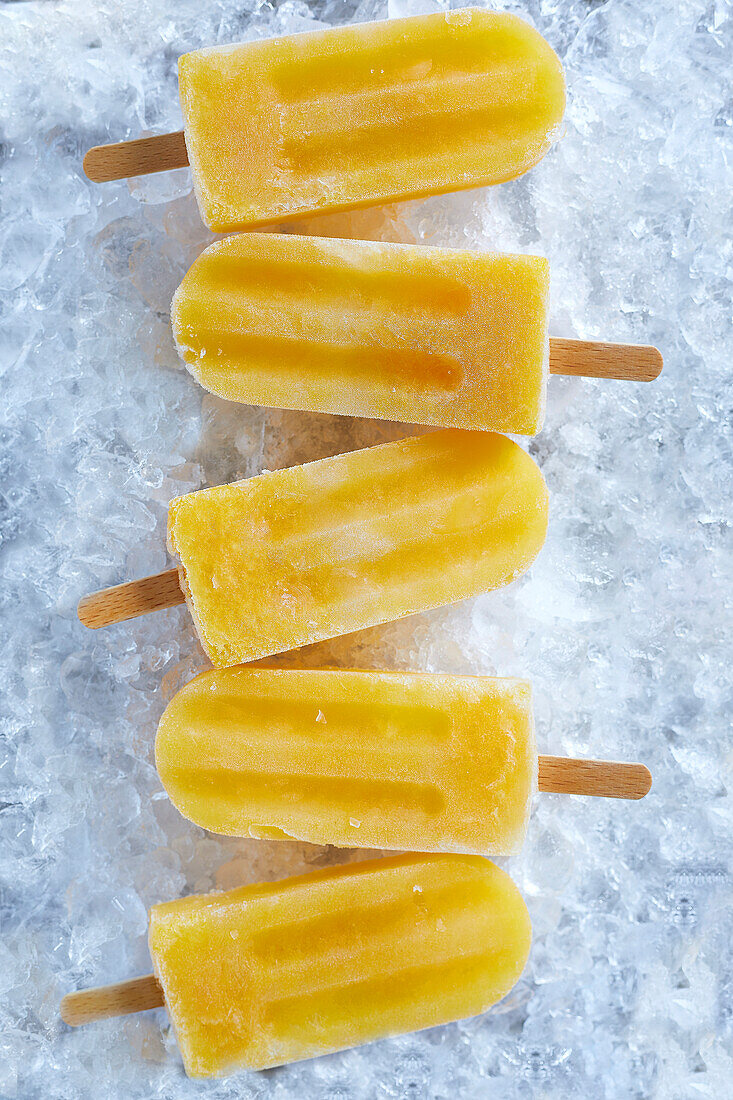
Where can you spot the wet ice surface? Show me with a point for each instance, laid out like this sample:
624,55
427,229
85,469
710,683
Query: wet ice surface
622,624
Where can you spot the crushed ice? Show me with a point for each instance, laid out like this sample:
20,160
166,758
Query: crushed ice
623,624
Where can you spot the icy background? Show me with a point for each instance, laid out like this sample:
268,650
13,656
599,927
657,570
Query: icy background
623,623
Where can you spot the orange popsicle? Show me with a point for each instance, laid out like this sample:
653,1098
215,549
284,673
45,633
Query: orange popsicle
277,972
319,550
365,114
396,760
424,335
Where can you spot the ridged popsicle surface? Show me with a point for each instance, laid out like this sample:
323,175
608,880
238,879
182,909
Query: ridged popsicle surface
315,551
357,759
365,114
424,335
270,974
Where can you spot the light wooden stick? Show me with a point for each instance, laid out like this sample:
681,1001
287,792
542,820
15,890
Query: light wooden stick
128,601
597,359
88,1005
136,158
604,778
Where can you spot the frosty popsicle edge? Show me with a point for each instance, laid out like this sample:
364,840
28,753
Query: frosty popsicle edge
354,116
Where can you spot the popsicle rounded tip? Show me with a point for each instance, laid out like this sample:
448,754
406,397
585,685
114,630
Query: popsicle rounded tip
68,1010
85,612
92,164
643,781
655,364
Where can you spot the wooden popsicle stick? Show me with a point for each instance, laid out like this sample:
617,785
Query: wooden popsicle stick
88,1005
597,359
602,778
128,601
142,157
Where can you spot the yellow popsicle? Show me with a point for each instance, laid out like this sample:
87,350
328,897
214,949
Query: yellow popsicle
424,335
356,759
319,550
365,114
274,973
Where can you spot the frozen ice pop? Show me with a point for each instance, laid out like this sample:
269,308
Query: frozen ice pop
274,973
364,114
401,760
424,335
402,332
356,759
311,552
327,548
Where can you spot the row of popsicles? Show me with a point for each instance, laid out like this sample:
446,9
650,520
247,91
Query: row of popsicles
274,130
434,336
391,761
442,764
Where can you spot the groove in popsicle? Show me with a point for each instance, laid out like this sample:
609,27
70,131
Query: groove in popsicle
337,587
224,786
390,141
257,720
461,97
320,73
304,1012
373,529
303,944
357,496
298,358
328,283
